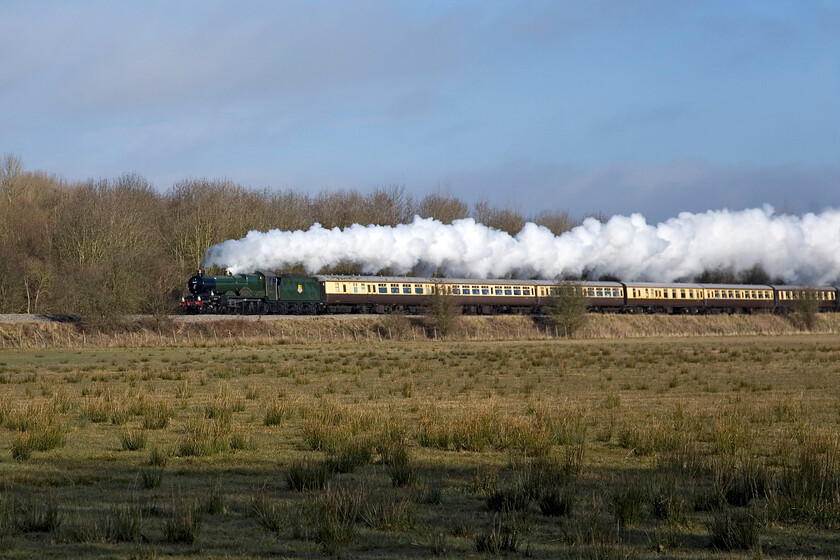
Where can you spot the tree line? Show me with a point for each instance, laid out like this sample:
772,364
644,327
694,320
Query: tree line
118,246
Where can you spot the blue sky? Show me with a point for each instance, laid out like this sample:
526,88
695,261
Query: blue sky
603,106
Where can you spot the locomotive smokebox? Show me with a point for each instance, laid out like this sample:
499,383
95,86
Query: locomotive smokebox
197,284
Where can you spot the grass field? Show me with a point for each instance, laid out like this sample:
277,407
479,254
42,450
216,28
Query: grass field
692,447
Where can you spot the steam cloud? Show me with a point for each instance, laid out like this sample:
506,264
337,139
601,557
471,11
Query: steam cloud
799,249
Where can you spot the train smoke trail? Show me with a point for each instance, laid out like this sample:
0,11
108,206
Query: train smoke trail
799,249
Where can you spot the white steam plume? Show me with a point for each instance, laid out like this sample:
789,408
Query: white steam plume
799,249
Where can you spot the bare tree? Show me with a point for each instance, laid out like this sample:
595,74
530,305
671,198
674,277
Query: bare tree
442,207
441,311
557,221
10,169
37,280
504,219
806,307
567,307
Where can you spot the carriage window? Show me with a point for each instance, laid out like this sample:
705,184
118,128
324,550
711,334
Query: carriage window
406,288
599,292
456,290
526,291
485,290
344,288
475,290
497,291
508,290
395,288
383,288
517,291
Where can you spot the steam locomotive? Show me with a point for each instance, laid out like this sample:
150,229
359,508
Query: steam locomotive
263,292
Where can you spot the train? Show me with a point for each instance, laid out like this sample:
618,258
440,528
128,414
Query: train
263,292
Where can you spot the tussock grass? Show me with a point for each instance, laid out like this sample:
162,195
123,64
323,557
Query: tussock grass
182,524
334,518
156,415
39,515
133,440
269,514
309,475
124,522
732,529
388,513
205,437
278,411
503,537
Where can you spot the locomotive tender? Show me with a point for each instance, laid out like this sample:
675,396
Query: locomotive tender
263,292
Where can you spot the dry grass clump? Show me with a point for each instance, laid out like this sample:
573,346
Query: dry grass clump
182,524
503,537
39,428
278,411
270,515
124,522
205,437
133,440
389,512
334,516
732,529
156,414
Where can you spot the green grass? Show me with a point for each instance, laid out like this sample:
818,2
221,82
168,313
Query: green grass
700,447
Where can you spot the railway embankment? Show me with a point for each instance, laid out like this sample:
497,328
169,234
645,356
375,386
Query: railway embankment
18,331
